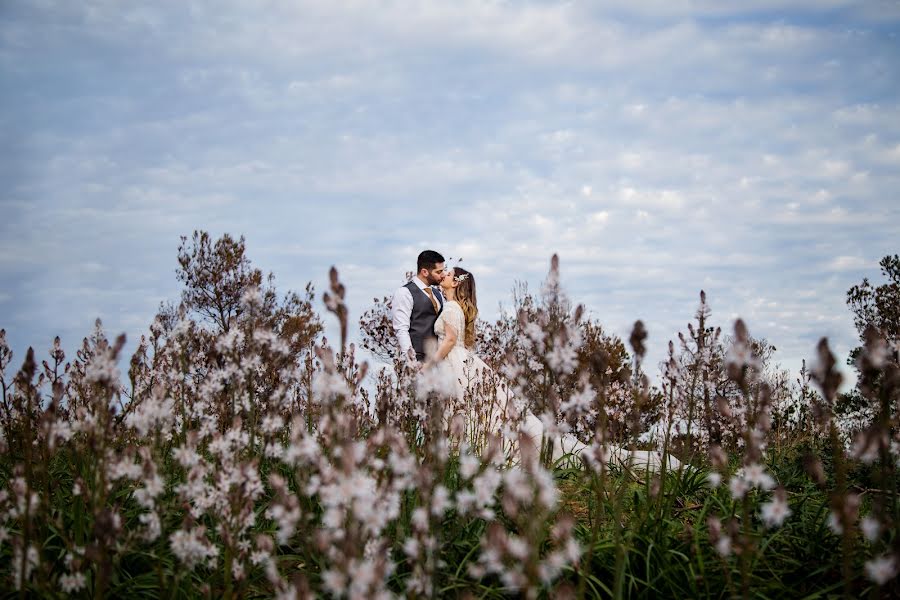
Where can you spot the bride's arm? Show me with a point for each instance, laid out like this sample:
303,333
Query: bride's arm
446,346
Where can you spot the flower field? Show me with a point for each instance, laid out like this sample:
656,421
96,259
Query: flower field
239,454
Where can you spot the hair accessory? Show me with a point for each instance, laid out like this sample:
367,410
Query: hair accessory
461,278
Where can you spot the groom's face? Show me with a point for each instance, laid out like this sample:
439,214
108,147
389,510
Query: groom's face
435,275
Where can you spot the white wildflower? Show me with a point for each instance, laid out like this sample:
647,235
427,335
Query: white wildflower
775,512
517,547
186,456
419,519
153,526
834,523
551,567
102,370
30,559
468,465
151,415
411,547
755,475
485,485
335,582
871,528
579,403
272,424
738,486
465,501
60,431
438,380
327,386
572,550
548,495
124,469
563,358
152,488
440,501
233,339
723,545
192,547
881,569
714,479
71,583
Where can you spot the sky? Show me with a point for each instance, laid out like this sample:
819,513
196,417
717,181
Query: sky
749,149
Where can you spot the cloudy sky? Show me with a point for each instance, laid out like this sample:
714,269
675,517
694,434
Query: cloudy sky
660,147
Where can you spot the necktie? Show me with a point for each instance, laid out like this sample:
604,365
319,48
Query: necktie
434,302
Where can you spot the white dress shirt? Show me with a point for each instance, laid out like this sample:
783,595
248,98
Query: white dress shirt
401,311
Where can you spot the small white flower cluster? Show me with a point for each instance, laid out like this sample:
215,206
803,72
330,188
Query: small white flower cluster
102,370
23,564
528,493
193,548
751,476
155,414
882,569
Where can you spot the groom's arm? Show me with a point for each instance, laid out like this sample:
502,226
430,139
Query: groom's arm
401,310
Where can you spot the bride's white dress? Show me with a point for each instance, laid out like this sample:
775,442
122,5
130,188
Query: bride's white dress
483,400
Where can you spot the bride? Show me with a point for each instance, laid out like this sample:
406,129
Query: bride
487,405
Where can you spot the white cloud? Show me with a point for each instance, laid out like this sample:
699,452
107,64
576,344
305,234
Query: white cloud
658,147
850,263
600,217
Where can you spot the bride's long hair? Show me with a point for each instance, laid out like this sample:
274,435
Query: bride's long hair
465,295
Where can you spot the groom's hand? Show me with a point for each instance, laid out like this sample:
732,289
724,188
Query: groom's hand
411,361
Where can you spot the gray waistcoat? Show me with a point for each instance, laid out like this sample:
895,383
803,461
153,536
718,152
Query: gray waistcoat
421,321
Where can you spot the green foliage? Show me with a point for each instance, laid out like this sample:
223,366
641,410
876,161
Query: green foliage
878,305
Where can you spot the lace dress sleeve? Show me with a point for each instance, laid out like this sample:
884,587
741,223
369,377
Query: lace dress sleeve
458,321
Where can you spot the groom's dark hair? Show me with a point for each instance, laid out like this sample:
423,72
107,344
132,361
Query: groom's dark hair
428,259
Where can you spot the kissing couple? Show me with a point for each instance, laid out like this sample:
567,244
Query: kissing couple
434,317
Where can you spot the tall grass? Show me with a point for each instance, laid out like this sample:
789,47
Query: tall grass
242,456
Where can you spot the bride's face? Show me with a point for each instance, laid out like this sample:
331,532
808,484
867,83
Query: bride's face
448,281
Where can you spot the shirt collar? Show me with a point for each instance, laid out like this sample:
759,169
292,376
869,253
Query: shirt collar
419,283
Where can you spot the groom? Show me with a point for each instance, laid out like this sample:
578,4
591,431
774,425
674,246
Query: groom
416,306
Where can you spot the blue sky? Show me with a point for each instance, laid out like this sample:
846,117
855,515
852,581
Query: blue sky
661,147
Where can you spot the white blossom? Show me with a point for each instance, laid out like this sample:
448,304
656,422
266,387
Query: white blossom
440,501
71,583
579,403
563,357
327,386
30,559
834,523
775,512
881,569
153,526
335,582
723,545
738,486
102,369
871,528
755,475
192,547
468,465
151,415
